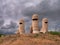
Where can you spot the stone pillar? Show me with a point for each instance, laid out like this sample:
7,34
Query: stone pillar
35,23
17,32
21,26
44,28
31,30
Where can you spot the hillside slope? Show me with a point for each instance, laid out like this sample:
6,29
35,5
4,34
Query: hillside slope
30,39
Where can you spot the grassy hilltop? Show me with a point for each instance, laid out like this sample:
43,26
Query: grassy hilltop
51,38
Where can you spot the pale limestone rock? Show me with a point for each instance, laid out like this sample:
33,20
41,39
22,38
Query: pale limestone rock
35,23
44,28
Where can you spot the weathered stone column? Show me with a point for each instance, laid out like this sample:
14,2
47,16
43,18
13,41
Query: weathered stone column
35,23
31,30
17,32
22,26
44,28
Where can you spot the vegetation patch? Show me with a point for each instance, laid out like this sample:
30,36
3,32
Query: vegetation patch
35,35
54,33
0,35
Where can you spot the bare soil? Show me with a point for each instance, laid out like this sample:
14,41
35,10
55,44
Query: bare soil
30,39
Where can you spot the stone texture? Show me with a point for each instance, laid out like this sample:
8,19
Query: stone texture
22,26
35,23
31,30
44,28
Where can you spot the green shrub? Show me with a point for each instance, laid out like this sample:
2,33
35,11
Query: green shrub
36,35
55,33
1,35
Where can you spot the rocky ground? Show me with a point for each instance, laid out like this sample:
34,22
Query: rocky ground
30,39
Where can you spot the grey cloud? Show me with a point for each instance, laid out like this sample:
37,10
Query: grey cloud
1,21
16,9
10,28
44,9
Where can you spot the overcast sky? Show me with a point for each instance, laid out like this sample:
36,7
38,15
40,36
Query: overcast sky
14,10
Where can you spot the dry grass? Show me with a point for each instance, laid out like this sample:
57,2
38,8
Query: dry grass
30,39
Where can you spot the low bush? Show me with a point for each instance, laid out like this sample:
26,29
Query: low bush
1,35
54,33
36,35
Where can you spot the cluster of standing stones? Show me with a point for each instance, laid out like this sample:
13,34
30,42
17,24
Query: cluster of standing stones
34,28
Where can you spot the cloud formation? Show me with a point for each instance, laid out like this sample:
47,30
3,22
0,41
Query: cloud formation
14,10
